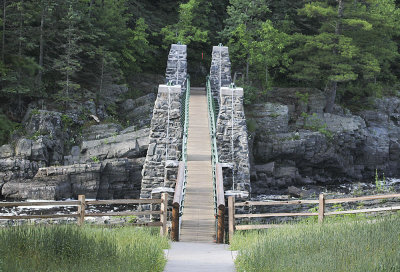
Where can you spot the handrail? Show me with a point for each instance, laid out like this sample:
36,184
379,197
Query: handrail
176,203
180,187
219,199
219,184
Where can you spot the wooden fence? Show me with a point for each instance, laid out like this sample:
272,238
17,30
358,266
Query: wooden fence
177,202
220,203
82,203
322,201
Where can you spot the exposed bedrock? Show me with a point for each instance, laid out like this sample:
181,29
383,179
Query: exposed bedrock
294,143
52,158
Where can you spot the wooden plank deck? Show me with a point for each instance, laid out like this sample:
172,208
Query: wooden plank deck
198,223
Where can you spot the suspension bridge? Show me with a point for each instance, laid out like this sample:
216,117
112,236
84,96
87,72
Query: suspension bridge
198,151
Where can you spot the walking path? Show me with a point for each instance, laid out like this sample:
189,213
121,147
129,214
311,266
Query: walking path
198,222
196,251
199,257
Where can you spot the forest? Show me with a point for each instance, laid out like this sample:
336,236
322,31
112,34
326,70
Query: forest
53,50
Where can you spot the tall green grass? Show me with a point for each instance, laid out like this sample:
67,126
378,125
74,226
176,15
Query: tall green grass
340,246
71,248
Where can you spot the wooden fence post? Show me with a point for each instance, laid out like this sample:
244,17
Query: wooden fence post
221,225
175,222
163,216
81,210
231,213
321,208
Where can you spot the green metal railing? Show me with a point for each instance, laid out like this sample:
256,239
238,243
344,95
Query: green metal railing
180,187
185,126
212,115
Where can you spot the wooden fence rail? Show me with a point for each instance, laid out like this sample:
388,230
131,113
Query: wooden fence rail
177,202
321,209
219,184
82,203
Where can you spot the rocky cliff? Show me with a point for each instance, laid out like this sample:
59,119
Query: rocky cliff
292,142
61,155
295,143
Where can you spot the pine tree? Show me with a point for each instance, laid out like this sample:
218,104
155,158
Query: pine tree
68,63
344,47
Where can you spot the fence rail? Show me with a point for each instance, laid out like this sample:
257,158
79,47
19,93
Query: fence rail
82,203
177,201
218,184
180,187
321,210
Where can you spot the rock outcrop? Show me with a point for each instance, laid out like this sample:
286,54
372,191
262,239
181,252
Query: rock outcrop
138,112
295,143
100,161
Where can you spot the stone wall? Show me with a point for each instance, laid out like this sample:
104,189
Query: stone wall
220,69
154,170
176,72
238,158
161,167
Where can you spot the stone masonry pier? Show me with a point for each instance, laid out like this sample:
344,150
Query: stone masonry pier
165,139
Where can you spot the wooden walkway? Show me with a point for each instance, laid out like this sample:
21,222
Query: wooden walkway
198,223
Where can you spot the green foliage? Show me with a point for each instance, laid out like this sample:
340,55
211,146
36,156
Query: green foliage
53,49
6,127
112,109
251,125
246,32
268,50
312,122
302,97
35,135
186,30
252,94
66,121
68,63
380,183
71,248
345,245
95,159
354,43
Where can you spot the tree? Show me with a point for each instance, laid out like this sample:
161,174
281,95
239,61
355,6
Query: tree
185,30
343,49
68,63
244,19
268,51
19,67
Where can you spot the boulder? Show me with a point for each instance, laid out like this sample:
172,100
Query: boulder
23,148
43,122
6,151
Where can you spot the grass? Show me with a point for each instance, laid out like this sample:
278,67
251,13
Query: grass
71,248
348,245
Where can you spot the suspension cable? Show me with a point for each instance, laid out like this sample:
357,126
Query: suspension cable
220,67
232,146
167,138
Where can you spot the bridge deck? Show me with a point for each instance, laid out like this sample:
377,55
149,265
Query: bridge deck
198,224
